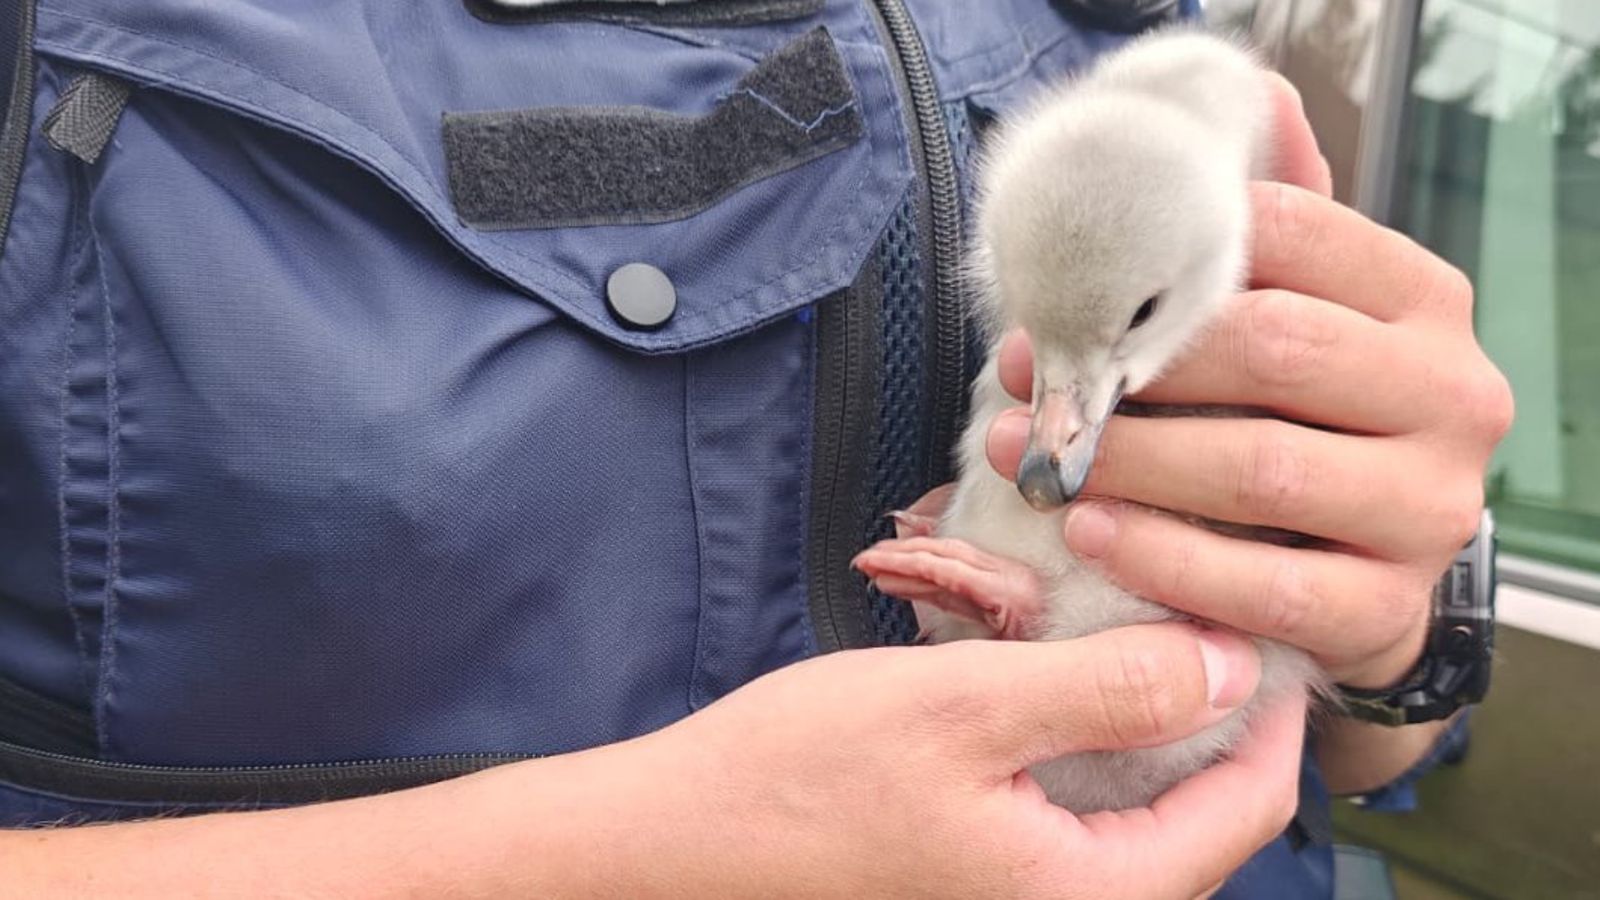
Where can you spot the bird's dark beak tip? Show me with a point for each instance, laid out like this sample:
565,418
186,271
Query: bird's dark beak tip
1040,481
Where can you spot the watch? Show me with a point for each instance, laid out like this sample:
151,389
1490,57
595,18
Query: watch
1454,669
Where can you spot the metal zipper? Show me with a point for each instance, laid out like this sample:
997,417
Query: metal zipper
16,113
932,137
849,355
101,781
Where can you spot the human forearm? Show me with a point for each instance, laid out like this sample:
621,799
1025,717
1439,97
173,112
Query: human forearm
521,830
1357,757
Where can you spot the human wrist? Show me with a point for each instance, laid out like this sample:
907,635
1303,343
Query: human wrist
664,815
594,823
1394,666
630,819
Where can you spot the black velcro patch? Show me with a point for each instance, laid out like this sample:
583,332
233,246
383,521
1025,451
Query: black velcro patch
680,12
562,166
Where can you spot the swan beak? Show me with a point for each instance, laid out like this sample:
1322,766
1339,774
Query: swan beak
1061,447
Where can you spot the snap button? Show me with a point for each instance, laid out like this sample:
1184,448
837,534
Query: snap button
641,296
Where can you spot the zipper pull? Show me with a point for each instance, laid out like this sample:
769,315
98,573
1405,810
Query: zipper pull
83,119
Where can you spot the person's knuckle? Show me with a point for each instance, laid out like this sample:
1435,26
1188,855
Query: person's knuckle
1404,602
1458,517
1396,596
1487,402
1289,600
1179,564
1273,478
1137,691
1411,275
1444,286
1459,394
1501,409
1477,399
1288,224
1284,342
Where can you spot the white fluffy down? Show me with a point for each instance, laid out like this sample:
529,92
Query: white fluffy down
1126,183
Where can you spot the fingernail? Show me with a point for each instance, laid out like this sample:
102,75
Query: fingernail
1013,425
1007,438
1090,530
1233,668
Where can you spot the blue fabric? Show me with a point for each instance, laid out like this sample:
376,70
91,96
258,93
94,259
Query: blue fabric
295,467
900,455
298,468
1400,795
998,59
1289,868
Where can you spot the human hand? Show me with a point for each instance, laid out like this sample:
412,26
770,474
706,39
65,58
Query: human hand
901,771
1361,341
871,773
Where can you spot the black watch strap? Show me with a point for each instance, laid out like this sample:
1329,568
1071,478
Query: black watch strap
1454,669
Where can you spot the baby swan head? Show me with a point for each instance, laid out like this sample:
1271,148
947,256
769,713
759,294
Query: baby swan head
1111,230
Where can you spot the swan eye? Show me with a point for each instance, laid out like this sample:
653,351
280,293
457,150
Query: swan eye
1143,313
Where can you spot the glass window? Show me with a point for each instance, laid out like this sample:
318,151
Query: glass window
1501,176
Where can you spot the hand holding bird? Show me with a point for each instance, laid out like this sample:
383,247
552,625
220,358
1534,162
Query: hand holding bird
1348,327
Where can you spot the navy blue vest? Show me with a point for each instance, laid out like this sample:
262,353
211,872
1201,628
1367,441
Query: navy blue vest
326,434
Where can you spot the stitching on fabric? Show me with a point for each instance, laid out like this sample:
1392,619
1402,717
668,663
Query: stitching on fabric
691,37
519,262
695,668
784,114
68,360
1015,74
230,63
808,625
108,653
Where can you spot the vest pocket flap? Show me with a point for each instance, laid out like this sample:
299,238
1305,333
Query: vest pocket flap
556,155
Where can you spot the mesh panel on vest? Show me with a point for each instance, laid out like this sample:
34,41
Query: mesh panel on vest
900,460
900,464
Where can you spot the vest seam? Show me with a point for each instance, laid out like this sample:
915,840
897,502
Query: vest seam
805,492
1011,76
695,696
68,361
108,655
